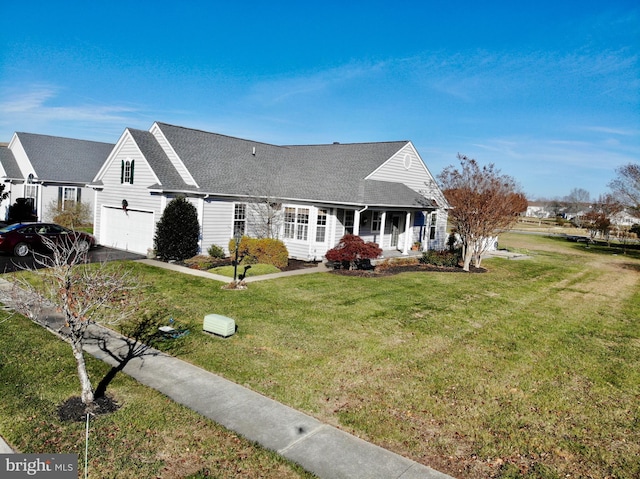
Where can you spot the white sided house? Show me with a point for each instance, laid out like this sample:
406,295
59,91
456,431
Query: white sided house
309,196
43,171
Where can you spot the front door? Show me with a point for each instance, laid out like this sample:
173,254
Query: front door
395,230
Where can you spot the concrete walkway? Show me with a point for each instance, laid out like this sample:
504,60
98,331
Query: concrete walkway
324,450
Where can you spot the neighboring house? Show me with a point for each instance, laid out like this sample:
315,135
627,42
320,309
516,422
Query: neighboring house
382,192
49,170
625,218
538,209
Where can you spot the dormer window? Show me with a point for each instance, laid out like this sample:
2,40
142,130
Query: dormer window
126,171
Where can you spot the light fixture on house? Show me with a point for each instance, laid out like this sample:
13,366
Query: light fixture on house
125,205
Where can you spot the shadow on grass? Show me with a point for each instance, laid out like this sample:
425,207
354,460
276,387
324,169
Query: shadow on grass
133,348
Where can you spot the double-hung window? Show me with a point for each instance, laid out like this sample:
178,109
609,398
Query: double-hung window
296,223
239,219
376,221
432,226
68,196
126,171
321,226
302,223
348,221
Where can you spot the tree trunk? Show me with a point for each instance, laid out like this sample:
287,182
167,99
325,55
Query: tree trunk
467,255
85,382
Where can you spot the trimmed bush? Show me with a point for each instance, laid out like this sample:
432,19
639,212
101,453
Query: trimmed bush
351,250
440,258
178,231
261,250
216,251
73,216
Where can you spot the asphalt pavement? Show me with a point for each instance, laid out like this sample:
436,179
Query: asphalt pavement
9,263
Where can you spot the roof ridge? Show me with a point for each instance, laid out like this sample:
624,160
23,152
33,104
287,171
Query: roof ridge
388,142
62,137
335,143
159,123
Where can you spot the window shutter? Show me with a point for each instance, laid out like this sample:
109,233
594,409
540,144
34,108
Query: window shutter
131,174
79,190
59,197
122,171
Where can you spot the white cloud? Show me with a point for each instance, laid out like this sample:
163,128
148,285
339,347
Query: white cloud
285,88
33,109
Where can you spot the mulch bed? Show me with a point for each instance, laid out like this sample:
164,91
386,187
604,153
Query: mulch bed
73,409
295,264
400,268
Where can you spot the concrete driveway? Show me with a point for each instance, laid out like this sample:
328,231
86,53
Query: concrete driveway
9,263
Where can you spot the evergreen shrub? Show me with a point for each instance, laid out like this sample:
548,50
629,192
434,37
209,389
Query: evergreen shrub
216,251
178,231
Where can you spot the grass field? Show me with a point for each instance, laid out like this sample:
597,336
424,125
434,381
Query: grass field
529,370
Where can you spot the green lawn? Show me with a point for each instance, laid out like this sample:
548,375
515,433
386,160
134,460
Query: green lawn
529,370
149,436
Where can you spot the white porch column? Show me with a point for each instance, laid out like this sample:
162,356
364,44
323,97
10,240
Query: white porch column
383,219
407,235
332,225
356,222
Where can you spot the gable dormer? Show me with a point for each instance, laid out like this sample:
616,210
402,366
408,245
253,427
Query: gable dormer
406,166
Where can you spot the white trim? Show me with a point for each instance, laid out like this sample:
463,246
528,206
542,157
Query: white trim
190,180
126,136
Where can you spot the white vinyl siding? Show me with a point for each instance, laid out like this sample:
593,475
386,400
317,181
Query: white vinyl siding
217,224
417,176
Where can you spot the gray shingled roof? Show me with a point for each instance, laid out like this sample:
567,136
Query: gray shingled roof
162,167
334,173
64,160
9,164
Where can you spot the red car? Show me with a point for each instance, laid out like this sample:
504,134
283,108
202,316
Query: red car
21,238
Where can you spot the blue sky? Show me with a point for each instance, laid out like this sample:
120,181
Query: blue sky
547,91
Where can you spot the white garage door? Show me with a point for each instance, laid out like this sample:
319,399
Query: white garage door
130,231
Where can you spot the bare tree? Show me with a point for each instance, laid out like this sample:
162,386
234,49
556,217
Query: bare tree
626,185
607,207
266,217
82,293
577,200
483,202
